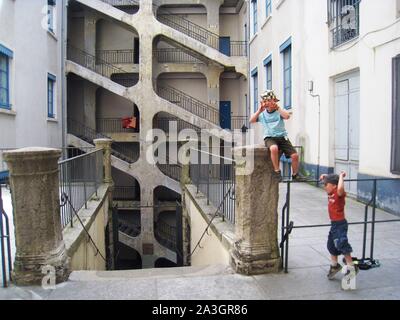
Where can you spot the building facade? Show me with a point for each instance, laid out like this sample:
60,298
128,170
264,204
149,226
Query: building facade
31,77
334,64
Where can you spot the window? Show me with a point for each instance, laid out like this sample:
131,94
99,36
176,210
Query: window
343,20
51,8
286,50
268,8
5,56
268,72
254,7
51,81
254,76
395,161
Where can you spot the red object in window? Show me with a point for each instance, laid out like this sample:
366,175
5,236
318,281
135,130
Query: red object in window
129,123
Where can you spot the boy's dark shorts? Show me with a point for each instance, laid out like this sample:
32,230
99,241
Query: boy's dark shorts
337,240
284,145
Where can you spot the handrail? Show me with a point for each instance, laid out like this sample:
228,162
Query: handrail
165,234
189,103
171,55
5,236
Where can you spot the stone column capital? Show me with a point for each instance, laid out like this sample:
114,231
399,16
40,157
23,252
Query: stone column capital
103,143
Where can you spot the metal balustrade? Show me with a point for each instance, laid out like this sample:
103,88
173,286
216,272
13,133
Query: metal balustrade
238,48
189,103
92,62
165,234
214,176
122,3
116,56
88,134
79,179
163,123
124,193
343,20
174,55
112,125
237,122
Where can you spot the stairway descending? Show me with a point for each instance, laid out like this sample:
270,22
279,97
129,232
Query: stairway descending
129,228
189,103
88,134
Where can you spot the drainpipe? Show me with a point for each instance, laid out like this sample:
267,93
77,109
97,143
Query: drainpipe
248,110
64,11
311,89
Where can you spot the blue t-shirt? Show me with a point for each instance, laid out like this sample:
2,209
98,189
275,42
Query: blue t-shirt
273,124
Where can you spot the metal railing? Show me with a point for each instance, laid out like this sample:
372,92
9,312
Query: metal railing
343,20
238,48
3,166
129,228
174,55
189,103
124,193
287,162
239,121
165,234
5,243
214,176
121,3
163,123
287,226
116,56
88,134
92,62
112,125
79,179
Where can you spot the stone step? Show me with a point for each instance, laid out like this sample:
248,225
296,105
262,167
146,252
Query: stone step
155,273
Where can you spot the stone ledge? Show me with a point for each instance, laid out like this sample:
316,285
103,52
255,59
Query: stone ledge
225,231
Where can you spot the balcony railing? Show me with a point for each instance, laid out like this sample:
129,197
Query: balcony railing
113,125
343,20
163,123
123,193
239,121
122,3
239,48
174,55
116,56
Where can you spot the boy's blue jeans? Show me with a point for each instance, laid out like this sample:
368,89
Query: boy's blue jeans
337,240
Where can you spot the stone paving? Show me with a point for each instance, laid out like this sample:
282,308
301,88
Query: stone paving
308,264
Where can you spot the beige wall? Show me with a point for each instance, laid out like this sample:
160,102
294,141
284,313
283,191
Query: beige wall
82,251
110,36
212,251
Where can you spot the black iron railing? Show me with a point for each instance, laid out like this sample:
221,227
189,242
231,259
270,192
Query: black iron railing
239,121
287,225
129,228
164,123
343,20
93,63
174,55
238,48
124,193
79,179
3,166
87,134
116,56
214,176
165,234
122,3
5,244
189,103
112,125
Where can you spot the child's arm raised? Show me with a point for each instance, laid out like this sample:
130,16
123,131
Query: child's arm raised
340,188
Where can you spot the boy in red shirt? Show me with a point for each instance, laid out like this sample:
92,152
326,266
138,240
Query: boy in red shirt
337,240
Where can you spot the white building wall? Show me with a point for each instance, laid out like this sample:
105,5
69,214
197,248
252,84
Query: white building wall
37,52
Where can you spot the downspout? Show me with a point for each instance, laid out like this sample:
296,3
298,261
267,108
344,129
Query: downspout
64,6
248,110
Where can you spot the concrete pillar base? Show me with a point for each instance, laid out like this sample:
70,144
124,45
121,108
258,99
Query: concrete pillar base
254,262
30,270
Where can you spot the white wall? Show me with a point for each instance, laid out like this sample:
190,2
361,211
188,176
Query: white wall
312,59
36,53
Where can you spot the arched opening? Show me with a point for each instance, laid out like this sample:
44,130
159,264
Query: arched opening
164,263
127,258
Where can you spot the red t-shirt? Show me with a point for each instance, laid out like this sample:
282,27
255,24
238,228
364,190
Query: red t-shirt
336,206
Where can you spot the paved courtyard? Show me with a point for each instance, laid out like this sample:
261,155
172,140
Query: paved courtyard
308,264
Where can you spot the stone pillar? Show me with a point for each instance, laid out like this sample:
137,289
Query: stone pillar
257,192
213,87
212,7
105,144
36,203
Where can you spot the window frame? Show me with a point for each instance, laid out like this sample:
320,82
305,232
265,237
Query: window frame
268,8
286,49
395,153
7,104
51,79
51,10
254,16
254,76
268,75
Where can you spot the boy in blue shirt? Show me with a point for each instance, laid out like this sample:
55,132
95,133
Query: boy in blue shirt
272,117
